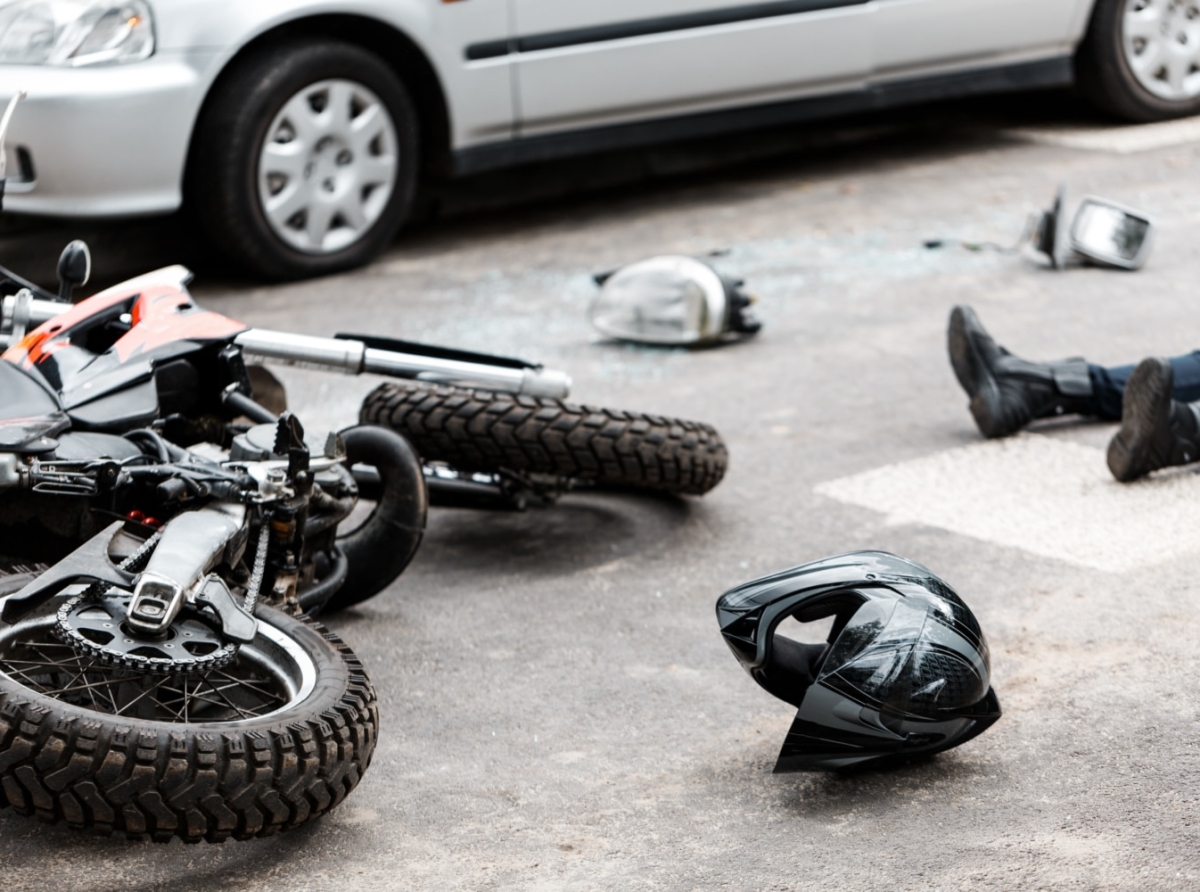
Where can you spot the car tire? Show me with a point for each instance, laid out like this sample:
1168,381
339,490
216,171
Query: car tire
1118,64
324,131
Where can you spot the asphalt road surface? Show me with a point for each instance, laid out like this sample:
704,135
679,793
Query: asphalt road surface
559,711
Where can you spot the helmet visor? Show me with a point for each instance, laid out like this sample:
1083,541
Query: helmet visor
906,657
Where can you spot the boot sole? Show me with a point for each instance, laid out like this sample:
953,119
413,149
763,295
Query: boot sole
973,375
1147,398
967,366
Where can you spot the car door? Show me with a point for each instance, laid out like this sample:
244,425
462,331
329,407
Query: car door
582,63
932,34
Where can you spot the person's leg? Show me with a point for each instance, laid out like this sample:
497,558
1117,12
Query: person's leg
1108,384
1158,429
1008,392
1108,389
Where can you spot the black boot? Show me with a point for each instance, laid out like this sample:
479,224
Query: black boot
1008,392
1156,431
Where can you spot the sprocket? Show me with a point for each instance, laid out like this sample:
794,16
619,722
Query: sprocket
94,624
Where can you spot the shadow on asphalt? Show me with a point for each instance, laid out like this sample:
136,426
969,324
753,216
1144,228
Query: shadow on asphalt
577,533
552,191
236,861
829,796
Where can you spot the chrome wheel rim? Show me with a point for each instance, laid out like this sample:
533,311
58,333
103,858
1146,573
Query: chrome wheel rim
1161,42
270,675
328,166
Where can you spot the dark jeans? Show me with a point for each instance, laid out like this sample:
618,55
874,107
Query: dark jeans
1109,384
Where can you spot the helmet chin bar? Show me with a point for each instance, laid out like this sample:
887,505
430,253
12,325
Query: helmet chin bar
881,741
904,670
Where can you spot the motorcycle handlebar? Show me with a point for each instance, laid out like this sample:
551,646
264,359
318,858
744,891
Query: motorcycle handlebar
356,358
20,313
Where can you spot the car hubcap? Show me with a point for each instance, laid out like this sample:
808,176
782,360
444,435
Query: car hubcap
1162,46
328,166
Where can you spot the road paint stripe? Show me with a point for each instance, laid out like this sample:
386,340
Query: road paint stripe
1046,496
1120,140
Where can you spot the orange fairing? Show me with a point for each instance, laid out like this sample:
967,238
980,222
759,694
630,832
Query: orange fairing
162,312
163,316
40,342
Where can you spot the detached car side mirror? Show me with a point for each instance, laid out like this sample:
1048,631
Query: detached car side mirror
1102,232
1110,234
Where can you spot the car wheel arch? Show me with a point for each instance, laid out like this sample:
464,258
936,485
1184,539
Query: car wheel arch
395,48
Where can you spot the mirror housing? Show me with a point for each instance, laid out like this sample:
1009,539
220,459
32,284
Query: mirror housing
1050,236
74,268
1110,234
1102,232
671,300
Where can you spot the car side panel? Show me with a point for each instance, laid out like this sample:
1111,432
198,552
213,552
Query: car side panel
113,140
106,141
685,70
917,35
480,96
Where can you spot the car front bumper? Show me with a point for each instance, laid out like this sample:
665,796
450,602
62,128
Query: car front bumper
103,141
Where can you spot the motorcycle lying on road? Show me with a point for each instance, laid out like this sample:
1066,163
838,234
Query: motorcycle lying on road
166,541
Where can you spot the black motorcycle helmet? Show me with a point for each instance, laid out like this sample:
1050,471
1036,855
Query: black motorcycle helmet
904,671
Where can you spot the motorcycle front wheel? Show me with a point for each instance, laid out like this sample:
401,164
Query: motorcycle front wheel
269,742
484,431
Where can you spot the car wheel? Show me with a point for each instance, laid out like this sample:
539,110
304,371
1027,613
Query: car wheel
305,160
1140,59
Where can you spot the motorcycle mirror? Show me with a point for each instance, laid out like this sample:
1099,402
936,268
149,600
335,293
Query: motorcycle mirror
74,268
1110,234
671,300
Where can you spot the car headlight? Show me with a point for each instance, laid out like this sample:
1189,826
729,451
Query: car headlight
73,33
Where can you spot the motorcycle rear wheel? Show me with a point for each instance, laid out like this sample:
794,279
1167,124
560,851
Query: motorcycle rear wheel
268,743
484,431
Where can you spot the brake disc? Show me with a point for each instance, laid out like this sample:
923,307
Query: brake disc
95,625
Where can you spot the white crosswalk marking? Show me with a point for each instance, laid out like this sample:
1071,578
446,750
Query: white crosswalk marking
1047,496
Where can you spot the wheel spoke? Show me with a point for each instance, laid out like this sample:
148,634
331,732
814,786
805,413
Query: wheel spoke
140,697
1178,68
369,125
243,683
282,207
1149,61
304,122
287,158
328,168
1143,24
71,687
320,217
341,112
377,170
352,212
53,668
1160,41
228,702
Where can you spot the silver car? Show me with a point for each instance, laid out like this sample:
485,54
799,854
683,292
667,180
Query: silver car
296,130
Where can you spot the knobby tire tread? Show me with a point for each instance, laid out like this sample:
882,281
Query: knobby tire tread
104,773
481,430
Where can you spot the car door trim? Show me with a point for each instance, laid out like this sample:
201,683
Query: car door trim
551,40
1056,71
